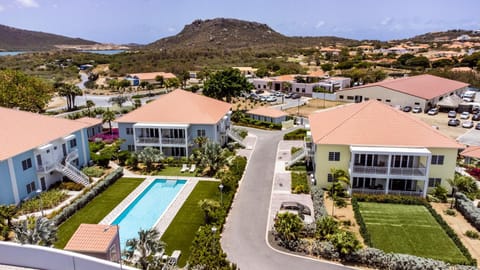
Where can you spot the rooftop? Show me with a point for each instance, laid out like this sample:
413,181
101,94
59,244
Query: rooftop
24,131
373,123
179,107
269,112
95,238
423,86
471,151
90,121
153,75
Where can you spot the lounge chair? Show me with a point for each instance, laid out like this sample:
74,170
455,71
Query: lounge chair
184,168
193,168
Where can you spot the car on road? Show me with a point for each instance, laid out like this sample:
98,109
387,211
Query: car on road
271,99
433,111
296,206
259,91
407,108
467,124
453,122
476,117
452,114
279,94
288,95
464,115
417,109
477,126
295,96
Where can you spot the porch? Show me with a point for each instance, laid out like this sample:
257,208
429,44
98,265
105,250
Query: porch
412,187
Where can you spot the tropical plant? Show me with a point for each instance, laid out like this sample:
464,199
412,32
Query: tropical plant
145,251
463,184
212,158
150,155
210,209
200,141
90,104
108,116
345,242
288,227
206,251
8,212
440,192
119,100
35,231
160,80
326,227
340,179
69,91
226,84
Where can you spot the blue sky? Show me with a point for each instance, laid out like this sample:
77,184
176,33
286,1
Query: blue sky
144,21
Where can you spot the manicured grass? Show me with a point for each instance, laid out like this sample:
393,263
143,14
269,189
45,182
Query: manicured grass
408,229
174,171
190,217
97,209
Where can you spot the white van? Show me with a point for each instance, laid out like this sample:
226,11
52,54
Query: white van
468,96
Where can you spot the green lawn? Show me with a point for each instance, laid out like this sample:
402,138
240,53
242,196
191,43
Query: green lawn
408,229
190,217
174,171
97,209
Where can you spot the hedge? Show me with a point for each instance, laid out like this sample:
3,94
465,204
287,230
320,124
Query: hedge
88,195
298,134
388,198
465,206
361,223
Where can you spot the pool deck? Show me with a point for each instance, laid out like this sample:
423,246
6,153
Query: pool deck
167,217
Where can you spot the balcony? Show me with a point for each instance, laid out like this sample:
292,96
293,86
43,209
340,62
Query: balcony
182,141
382,191
418,171
154,140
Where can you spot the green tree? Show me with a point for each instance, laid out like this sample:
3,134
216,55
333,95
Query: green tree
172,83
226,84
145,251
326,227
119,100
210,209
90,104
288,227
183,76
160,81
200,141
418,61
345,242
212,158
69,91
206,251
340,180
113,84
108,116
402,59
150,155
327,67
35,231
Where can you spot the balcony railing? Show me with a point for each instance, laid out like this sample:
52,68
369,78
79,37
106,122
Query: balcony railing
173,141
148,140
382,191
370,170
419,171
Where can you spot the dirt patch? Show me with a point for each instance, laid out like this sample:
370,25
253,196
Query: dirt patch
440,120
313,105
57,102
344,214
241,103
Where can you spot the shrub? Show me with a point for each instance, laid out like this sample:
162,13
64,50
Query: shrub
100,160
298,134
319,210
345,242
472,234
450,212
69,185
300,183
340,202
93,171
468,210
123,156
361,223
326,227
96,146
45,200
440,193
387,198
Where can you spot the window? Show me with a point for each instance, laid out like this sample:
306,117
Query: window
433,182
201,132
26,164
366,99
441,98
73,143
437,159
341,96
31,187
350,97
131,147
297,89
303,90
329,177
333,156
129,131
379,99
387,100
417,103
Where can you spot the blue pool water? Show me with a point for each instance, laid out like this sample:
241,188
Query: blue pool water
9,53
107,52
147,208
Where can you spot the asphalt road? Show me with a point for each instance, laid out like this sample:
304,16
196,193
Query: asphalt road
244,236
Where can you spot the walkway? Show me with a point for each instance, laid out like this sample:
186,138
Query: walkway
244,236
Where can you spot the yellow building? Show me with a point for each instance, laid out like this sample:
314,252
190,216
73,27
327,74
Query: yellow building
384,150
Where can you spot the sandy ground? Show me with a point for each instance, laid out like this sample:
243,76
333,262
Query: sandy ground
247,104
343,214
460,225
441,121
312,106
56,102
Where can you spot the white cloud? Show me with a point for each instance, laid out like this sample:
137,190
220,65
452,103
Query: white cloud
28,3
171,29
386,21
1,8
320,24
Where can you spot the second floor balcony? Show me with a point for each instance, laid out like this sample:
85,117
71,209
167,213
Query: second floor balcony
375,170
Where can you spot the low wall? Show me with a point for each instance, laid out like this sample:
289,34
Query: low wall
327,96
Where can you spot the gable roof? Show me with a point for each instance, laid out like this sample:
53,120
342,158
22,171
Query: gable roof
90,121
179,107
424,86
373,123
95,238
267,111
23,131
471,151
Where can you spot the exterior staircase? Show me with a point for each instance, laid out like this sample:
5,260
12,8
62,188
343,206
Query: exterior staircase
70,171
234,136
297,156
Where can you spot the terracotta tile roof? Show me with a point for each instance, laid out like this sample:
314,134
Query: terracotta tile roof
423,86
90,121
153,75
179,107
289,77
471,151
317,73
23,131
92,238
373,123
269,112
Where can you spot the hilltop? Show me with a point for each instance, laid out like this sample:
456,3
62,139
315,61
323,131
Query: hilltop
442,36
14,39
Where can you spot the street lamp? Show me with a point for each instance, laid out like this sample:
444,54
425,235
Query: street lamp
38,191
221,196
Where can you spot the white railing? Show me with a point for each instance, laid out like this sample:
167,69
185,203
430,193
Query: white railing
297,156
71,171
382,191
368,191
370,170
419,171
174,140
147,140
234,136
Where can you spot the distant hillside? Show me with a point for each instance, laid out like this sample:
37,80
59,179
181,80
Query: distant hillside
236,34
443,35
14,39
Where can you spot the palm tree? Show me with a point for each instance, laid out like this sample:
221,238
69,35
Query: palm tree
150,155
200,141
108,116
461,183
8,212
288,227
212,158
145,250
209,207
160,80
69,91
89,103
341,177
36,231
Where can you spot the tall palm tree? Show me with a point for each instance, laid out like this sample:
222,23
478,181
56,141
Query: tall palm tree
461,183
36,231
90,104
145,250
212,158
69,91
108,116
339,176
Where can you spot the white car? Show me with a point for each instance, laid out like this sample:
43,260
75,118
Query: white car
464,115
271,99
467,124
433,111
417,109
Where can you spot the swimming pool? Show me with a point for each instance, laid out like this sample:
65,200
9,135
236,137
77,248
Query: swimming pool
147,208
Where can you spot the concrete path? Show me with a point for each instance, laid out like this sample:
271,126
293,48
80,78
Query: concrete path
245,232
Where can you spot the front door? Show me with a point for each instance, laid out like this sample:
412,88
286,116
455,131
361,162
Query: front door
39,160
43,184
64,149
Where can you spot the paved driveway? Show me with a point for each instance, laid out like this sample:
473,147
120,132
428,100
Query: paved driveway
244,236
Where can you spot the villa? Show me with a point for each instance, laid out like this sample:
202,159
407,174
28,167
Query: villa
150,77
384,150
268,115
173,121
38,151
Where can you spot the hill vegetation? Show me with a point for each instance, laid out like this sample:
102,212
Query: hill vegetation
441,36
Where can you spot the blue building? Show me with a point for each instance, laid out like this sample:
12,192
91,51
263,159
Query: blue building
37,151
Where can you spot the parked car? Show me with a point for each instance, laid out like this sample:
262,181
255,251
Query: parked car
295,96
467,124
452,114
259,91
263,98
464,115
279,94
407,108
271,99
475,109
417,109
476,117
453,122
288,95
254,96
477,126
433,111
301,208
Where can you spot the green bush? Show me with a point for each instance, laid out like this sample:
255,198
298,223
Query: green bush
299,183
345,242
298,134
440,193
450,212
69,185
472,234
361,223
45,200
387,198
123,156
96,146
326,226
93,171
101,160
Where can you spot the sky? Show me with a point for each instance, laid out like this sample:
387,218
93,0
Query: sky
144,21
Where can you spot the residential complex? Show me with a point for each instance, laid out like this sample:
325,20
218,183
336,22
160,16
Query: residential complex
383,149
173,121
38,151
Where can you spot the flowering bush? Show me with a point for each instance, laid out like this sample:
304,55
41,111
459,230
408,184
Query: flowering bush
106,137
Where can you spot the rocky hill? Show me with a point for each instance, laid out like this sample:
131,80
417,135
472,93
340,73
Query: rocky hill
14,39
442,36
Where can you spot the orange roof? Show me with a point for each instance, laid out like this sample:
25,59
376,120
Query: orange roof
153,75
317,73
423,86
267,111
471,151
24,131
90,121
179,107
95,238
289,77
373,123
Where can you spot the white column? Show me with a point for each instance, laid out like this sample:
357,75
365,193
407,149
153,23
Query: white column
387,183
186,142
134,138
13,181
84,147
427,173
350,170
